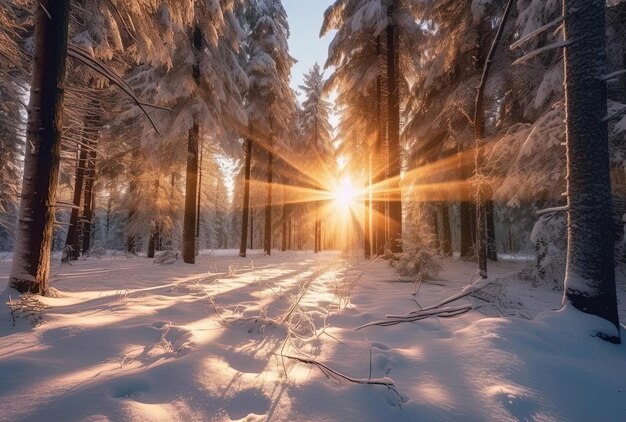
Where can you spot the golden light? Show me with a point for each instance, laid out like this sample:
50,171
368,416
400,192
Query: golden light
345,194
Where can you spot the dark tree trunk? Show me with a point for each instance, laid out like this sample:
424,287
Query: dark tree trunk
446,235
152,244
289,238
317,229
72,243
31,263
89,202
268,205
590,274
200,194
466,218
483,194
132,194
154,233
367,234
252,229
191,195
492,253
284,237
246,202
395,158
378,221
191,183
436,231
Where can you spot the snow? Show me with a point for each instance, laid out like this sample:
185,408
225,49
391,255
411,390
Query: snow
128,339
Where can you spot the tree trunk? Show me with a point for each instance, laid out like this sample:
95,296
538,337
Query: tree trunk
590,274
268,205
284,237
466,219
72,243
367,232
492,252
191,182
395,158
317,230
191,195
479,134
379,207
132,193
446,235
31,263
154,232
246,202
89,202
436,231
289,237
200,193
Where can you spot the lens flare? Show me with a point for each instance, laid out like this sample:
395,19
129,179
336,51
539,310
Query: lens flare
345,194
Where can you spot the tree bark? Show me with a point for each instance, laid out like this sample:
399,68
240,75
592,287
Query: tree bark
72,243
446,235
590,274
191,183
479,133
393,139
154,232
284,237
378,220
89,202
31,262
191,195
367,233
268,204
246,202
200,193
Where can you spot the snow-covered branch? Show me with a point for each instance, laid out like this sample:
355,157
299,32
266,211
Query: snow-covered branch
536,32
553,210
534,53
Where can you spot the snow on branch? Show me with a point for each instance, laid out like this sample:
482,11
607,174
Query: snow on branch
610,117
613,75
85,58
526,57
536,32
553,210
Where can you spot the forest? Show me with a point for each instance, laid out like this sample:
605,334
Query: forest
329,210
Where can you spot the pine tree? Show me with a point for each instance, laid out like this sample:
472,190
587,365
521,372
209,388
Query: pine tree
316,137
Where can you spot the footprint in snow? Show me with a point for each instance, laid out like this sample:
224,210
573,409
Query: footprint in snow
128,388
247,404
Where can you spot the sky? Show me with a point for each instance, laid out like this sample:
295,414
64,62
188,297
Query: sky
305,21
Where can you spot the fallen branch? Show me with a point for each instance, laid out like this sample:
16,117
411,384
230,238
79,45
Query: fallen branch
399,319
434,310
332,374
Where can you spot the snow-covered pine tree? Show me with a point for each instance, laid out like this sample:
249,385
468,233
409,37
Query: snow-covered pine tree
359,23
316,136
13,76
270,102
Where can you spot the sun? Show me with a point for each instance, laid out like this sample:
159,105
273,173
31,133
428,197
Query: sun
345,194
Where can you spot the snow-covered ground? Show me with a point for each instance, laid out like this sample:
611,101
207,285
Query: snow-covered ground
127,339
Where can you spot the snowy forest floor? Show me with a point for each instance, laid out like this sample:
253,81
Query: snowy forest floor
127,339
